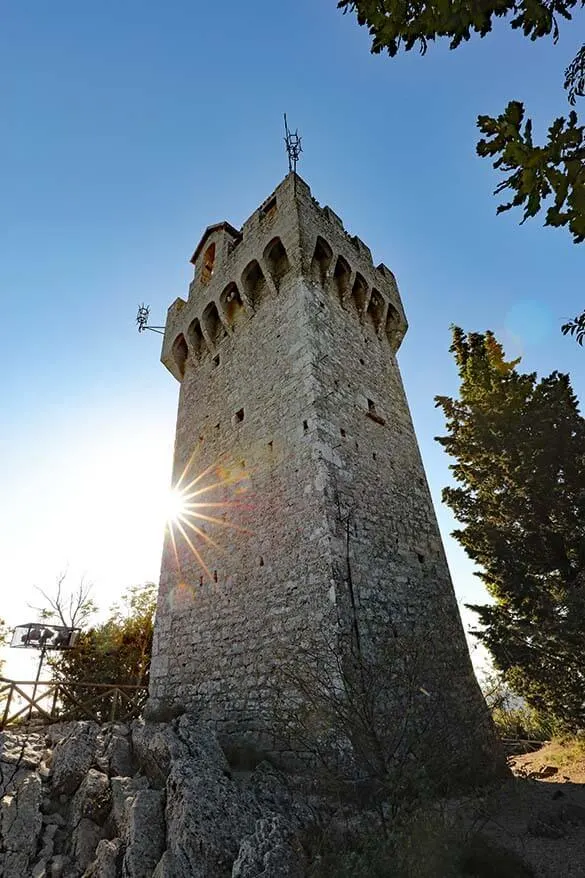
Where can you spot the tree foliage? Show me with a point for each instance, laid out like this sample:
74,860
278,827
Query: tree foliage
116,652
556,170
512,717
575,327
396,24
519,446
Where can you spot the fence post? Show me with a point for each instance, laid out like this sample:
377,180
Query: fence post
114,706
38,677
55,696
7,708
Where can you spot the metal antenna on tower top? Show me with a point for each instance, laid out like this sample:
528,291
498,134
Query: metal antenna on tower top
293,146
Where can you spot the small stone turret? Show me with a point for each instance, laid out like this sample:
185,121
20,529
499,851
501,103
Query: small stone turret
310,503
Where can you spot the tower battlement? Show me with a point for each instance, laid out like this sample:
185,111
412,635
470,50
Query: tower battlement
289,236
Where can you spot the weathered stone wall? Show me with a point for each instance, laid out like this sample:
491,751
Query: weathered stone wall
292,405
388,560
271,572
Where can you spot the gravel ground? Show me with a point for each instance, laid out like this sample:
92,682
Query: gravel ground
539,813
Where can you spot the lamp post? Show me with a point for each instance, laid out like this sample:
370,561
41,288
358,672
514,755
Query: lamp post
37,635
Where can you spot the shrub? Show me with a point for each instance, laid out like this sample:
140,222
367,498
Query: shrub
425,846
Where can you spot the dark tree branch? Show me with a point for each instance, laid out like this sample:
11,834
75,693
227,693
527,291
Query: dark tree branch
575,76
575,327
72,609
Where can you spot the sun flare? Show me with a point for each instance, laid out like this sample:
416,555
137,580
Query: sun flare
190,503
177,506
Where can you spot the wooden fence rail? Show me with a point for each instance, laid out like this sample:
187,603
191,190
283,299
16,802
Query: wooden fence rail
51,701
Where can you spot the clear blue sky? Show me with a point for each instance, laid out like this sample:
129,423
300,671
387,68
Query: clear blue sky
127,128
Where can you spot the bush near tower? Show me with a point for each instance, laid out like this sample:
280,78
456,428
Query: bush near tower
519,446
116,651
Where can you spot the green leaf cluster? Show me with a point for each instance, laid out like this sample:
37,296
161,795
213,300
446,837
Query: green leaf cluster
395,24
575,77
519,449
556,170
537,173
575,327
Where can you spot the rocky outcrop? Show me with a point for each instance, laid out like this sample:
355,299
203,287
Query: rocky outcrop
272,850
155,799
21,825
73,755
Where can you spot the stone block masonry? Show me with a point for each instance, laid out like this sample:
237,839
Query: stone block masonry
295,437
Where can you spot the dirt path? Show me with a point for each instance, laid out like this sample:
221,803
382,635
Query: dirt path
554,762
540,813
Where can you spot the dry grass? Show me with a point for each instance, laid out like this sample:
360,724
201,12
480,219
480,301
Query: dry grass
566,754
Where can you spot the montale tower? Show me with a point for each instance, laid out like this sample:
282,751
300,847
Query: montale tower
308,503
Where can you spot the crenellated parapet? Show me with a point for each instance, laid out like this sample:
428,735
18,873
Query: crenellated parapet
290,236
342,264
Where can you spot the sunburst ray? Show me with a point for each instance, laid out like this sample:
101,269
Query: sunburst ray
189,506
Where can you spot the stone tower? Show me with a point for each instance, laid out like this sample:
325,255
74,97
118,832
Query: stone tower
293,414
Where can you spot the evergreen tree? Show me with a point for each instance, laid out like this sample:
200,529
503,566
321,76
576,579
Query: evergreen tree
519,446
